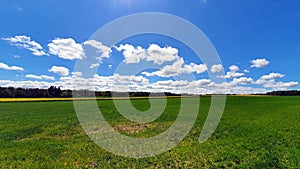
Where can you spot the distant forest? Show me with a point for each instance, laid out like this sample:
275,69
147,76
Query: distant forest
11,92
285,93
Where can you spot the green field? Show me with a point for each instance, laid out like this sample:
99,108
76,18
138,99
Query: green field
254,132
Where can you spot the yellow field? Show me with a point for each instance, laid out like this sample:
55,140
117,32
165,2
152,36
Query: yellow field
71,99
32,99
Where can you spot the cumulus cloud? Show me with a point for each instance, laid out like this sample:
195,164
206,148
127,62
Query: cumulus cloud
69,49
272,76
132,54
106,83
177,68
94,65
6,67
26,43
216,68
139,83
232,88
40,77
104,50
160,55
76,74
200,83
26,84
233,73
66,49
59,70
234,68
174,86
243,80
171,83
259,63
154,53
192,67
16,56
131,79
281,85
269,79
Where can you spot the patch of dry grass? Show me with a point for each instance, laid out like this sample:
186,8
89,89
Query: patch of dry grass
132,128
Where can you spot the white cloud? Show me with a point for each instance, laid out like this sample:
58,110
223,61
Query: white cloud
6,67
234,68
287,84
231,88
132,54
130,79
171,83
59,70
106,83
200,83
233,73
26,84
178,86
139,83
192,67
41,77
216,68
154,53
16,56
177,68
259,63
246,71
76,74
272,76
94,65
160,55
243,80
69,49
66,49
205,86
279,85
268,81
26,43
104,50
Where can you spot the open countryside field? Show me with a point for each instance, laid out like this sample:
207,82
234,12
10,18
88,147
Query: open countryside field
254,132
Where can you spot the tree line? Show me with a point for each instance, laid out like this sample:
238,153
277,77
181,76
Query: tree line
285,93
11,92
53,91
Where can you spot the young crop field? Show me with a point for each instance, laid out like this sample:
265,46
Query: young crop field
254,132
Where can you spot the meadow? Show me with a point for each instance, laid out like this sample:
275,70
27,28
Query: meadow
254,132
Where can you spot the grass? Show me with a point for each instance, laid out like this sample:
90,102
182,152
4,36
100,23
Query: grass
254,132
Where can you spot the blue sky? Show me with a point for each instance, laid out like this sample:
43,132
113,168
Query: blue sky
257,42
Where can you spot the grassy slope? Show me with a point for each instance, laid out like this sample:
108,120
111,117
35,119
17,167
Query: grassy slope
255,132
